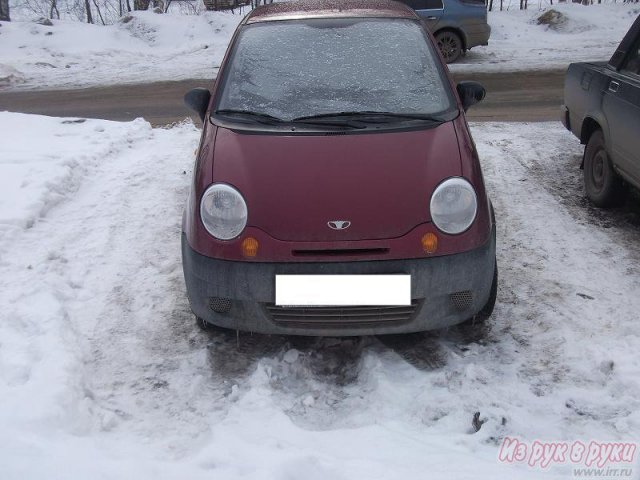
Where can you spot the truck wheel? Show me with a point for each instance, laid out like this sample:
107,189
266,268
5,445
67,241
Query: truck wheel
450,45
603,185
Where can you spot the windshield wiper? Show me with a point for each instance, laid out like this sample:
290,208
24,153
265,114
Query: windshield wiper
271,120
370,115
341,123
257,116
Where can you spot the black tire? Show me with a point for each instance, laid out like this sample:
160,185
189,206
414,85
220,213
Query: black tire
450,45
486,311
603,185
210,327
203,324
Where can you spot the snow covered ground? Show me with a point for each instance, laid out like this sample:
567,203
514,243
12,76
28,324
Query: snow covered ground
517,42
148,47
103,373
152,47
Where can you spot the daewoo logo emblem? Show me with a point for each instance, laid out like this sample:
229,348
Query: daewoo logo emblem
339,224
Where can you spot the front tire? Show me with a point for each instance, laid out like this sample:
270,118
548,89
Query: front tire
486,311
450,45
203,324
603,185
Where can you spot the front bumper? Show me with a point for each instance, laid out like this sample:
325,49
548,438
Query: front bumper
243,293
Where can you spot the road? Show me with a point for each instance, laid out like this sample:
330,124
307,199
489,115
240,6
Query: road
515,96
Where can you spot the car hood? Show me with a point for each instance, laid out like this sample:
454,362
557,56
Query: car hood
294,185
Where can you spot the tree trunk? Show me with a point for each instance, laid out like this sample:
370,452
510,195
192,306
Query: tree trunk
128,6
87,7
141,4
490,5
4,11
99,12
54,9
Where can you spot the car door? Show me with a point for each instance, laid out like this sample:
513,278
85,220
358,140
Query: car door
430,11
621,106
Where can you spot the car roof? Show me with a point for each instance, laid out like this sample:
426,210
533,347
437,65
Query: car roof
301,9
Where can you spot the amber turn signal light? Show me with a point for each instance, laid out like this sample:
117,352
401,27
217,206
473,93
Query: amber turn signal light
250,247
429,242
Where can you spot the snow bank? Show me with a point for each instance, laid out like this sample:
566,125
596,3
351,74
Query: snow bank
104,375
148,47
518,42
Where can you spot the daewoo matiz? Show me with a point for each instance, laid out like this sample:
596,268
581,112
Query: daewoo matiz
337,189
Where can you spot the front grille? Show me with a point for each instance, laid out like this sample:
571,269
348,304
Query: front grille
342,317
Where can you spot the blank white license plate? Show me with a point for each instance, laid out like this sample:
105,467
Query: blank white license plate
342,290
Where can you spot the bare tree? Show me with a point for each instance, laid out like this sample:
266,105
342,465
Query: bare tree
87,7
4,11
99,12
54,9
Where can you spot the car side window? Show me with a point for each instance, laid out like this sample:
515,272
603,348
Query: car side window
632,64
424,4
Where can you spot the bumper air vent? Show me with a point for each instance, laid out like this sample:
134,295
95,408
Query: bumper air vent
461,300
342,317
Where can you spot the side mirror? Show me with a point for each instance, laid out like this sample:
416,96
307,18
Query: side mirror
198,101
470,93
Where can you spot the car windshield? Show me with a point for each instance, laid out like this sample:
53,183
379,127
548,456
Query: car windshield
292,69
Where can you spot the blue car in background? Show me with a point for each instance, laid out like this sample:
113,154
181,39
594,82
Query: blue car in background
458,25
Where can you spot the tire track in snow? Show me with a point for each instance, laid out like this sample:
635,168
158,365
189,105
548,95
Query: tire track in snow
110,260
550,258
150,365
562,177
46,261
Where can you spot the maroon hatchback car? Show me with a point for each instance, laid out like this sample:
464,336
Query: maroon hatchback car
337,189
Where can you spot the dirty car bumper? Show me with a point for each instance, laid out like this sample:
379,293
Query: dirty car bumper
477,35
445,291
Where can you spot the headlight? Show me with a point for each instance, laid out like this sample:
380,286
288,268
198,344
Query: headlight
223,211
454,205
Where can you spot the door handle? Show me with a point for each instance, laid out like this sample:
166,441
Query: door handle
432,18
613,86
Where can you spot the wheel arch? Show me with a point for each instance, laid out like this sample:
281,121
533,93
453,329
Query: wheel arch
592,124
589,125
